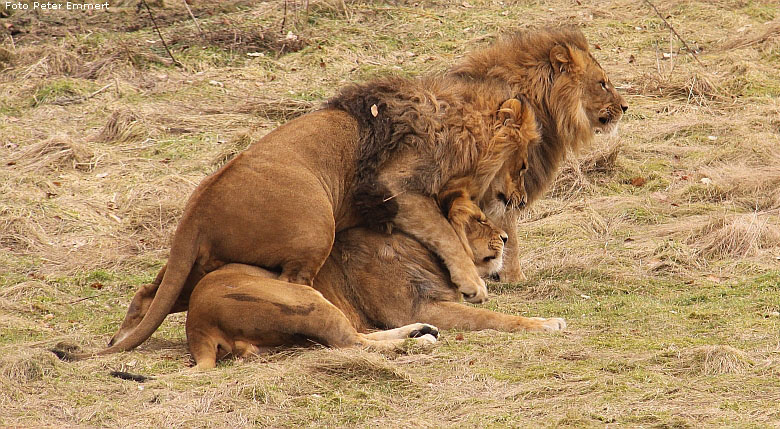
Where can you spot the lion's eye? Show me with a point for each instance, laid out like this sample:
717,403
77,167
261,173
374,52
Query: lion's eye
603,85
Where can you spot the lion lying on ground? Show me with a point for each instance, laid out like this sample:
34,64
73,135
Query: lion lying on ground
308,171
371,280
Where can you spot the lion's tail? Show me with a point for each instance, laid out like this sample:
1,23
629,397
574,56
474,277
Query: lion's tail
183,255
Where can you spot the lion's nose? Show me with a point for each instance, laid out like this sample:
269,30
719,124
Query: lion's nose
624,107
504,237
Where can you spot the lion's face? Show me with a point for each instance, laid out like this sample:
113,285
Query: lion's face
601,102
579,76
487,244
506,192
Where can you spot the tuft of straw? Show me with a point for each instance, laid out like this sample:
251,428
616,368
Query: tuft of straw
714,360
122,126
240,141
23,365
576,174
736,236
695,87
54,153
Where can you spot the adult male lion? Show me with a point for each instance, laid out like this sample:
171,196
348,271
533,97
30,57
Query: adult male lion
572,98
370,281
279,204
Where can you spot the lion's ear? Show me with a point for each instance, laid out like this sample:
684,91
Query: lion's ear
563,59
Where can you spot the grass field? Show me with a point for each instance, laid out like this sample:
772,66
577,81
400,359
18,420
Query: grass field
660,247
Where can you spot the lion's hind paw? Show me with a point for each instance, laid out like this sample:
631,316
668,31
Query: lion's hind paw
424,330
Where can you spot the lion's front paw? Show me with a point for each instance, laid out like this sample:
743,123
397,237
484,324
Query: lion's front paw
551,324
470,285
512,275
475,294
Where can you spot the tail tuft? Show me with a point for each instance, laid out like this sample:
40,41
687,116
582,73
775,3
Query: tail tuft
63,355
129,376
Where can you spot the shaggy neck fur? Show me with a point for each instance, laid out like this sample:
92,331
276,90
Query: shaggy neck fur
448,125
523,62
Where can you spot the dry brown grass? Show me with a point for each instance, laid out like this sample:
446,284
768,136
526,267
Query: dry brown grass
669,283
581,170
22,365
123,125
54,153
736,236
714,360
694,86
767,33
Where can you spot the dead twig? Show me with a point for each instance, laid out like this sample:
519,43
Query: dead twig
64,101
175,61
688,48
284,18
82,299
193,18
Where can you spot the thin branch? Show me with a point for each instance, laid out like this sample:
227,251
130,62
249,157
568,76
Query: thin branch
693,52
284,19
175,61
82,299
99,91
193,18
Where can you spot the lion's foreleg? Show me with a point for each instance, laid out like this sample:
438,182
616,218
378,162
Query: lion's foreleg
512,271
453,315
420,217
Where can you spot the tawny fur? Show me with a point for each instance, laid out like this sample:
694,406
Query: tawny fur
572,99
419,134
514,132
306,172
370,281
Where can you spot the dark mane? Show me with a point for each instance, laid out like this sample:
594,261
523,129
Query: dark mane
380,135
442,120
523,61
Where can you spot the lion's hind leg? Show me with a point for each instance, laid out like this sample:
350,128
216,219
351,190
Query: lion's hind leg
421,334
205,347
414,330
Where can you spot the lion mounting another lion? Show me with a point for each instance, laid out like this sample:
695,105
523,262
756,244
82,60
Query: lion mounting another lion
364,160
370,280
